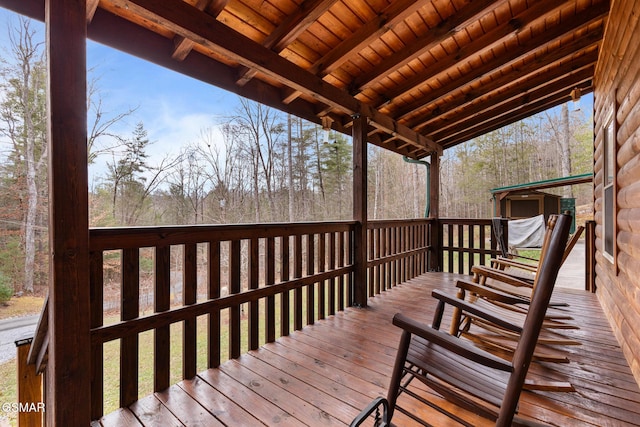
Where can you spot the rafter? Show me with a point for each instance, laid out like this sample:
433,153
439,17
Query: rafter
537,43
514,115
289,30
522,79
423,44
188,21
183,45
481,44
553,86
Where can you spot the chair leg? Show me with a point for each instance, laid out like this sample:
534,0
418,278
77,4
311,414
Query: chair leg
457,315
396,376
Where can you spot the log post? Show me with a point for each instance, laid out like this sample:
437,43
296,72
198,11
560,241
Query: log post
435,254
30,403
68,391
590,256
360,210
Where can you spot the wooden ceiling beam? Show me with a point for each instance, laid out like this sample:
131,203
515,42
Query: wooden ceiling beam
525,78
289,30
182,44
474,103
184,19
157,49
538,43
484,43
533,108
472,11
554,86
393,14
92,6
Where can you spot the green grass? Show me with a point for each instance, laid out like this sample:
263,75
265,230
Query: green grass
8,391
111,352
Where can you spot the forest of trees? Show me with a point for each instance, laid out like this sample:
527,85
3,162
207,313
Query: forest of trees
257,165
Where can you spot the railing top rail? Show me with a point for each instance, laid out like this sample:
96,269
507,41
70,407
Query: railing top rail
466,221
136,237
377,223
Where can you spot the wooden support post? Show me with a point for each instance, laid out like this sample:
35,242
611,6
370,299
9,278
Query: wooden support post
435,255
360,210
590,256
68,391
30,403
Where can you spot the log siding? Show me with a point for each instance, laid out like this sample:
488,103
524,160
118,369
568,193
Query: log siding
617,91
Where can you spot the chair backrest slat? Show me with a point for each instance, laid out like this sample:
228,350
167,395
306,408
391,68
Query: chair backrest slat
550,262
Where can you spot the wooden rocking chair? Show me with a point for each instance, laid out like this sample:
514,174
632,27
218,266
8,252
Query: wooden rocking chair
460,372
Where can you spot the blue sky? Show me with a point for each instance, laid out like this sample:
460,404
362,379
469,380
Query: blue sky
173,108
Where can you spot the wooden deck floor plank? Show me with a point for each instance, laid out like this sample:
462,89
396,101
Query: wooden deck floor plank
357,398
186,408
151,412
121,417
325,373
221,406
262,409
341,364
342,377
336,402
306,413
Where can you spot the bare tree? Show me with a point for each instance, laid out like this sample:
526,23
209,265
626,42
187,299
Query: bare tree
23,114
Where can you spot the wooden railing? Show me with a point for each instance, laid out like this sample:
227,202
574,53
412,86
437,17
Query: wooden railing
398,250
261,282
465,243
231,288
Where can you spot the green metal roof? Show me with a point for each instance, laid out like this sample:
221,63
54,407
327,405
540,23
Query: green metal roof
548,183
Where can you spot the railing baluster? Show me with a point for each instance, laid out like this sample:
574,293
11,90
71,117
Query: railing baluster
285,300
213,293
297,294
483,245
322,259
235,288
254,270
129,310
332,266
350,284
189,297
311,291
270,279
96,283
341,256
162,296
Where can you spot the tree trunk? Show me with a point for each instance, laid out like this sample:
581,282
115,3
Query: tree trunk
290,171
565,149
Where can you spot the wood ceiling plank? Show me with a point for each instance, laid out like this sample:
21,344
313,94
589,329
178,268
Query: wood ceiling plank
189,22
537,43
522,79
423,44
532,108
183,45
483,43
553,85
385,21
289,30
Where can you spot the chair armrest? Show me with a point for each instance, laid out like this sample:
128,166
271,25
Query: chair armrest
490,293
456,345
515,264
473,309
370,409
492,273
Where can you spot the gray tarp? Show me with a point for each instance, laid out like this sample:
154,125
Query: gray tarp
526,233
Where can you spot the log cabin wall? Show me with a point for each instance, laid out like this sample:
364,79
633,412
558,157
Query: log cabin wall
617,108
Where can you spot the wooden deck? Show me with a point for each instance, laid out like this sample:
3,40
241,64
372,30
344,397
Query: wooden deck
327,372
